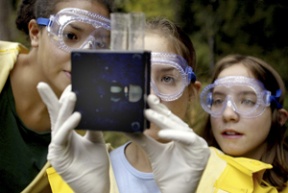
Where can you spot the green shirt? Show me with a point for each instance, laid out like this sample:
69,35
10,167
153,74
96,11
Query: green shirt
22,152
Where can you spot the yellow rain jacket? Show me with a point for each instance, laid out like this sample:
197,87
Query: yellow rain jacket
225,174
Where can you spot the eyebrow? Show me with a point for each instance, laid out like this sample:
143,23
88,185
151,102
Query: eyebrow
166,69
218,93
79,27
247,93
75,27
237,93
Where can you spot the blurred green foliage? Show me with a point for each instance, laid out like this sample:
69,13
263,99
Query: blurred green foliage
218,28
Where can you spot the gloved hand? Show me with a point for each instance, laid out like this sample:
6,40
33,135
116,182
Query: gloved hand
177,165
82,161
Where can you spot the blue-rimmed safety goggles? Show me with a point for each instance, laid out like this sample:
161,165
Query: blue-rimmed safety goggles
170,74
246,96
73,28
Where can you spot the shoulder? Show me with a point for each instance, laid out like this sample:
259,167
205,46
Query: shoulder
224,172
8,56
240,164
6,46
119,162
118,151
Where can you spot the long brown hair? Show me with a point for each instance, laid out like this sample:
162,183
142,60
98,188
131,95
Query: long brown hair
277,148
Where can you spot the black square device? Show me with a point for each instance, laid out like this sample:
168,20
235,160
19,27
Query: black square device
111,89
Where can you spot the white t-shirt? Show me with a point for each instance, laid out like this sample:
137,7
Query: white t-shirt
130,180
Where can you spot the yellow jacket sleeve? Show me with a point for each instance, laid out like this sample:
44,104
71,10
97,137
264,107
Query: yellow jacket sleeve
8,56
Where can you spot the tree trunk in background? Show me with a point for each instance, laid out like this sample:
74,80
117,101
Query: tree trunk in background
5,16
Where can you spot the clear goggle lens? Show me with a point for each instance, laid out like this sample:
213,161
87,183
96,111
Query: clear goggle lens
246,96
170,74
73,28
84,36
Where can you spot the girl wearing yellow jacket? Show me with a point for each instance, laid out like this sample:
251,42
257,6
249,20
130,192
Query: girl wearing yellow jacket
247,122
24,119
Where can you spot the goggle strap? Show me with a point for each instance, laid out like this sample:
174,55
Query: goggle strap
43,21
273,99
191,75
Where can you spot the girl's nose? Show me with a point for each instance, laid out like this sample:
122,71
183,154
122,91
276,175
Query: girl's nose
229,112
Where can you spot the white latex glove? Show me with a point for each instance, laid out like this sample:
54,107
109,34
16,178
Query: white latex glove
177,165
82,161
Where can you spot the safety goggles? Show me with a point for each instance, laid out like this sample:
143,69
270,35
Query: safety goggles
73,28
246,96
170,74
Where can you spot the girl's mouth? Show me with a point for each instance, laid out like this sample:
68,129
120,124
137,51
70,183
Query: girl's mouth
231,133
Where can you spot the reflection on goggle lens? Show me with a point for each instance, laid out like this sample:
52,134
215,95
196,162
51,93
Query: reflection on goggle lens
246,96
73,28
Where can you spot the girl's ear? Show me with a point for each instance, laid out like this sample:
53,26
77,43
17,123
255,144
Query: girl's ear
194,89
34,32
283,116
